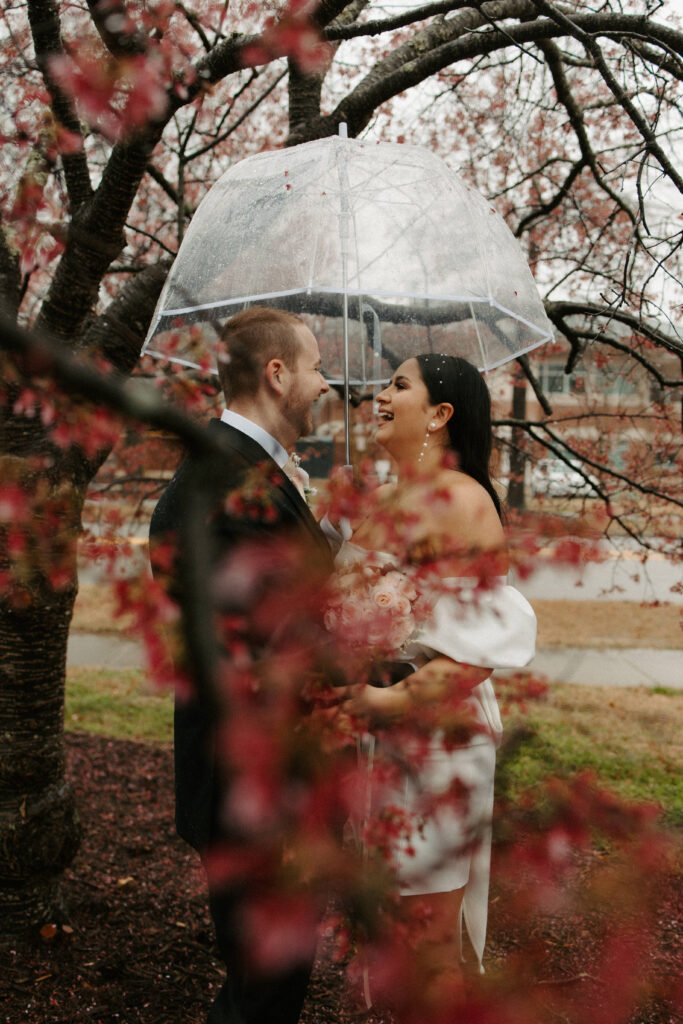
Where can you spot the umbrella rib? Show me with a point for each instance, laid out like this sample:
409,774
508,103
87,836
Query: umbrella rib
379,292
520,352
174,359
328,154
479,341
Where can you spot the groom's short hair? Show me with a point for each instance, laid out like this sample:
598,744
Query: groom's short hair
250,340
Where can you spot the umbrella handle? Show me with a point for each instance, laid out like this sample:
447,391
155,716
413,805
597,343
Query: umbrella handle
344,245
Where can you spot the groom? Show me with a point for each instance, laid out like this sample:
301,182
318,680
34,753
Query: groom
270,374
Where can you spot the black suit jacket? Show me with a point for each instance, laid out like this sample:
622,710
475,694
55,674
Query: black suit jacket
280,510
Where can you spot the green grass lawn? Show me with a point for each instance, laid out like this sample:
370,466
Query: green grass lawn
630,738
119,704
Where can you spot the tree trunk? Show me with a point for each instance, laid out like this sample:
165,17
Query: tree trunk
44,488
515,496
39,527
39,825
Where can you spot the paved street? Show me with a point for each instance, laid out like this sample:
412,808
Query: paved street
620,577
630,667
635,666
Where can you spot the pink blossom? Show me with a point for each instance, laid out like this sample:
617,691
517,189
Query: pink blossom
281,930
118,96
14,504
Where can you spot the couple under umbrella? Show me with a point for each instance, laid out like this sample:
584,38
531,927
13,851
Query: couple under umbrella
433,420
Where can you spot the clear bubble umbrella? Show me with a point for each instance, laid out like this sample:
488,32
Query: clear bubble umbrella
382,247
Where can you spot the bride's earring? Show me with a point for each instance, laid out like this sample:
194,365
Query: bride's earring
426,443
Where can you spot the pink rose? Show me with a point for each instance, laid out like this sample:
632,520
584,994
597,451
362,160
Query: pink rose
387,596
402,584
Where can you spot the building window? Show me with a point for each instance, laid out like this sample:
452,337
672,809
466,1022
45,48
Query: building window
554,381
608,381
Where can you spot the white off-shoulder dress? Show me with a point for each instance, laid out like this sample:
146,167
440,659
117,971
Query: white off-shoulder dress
496,628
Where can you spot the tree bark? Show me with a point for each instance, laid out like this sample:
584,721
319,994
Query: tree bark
9,277
118,332
515,496
39,824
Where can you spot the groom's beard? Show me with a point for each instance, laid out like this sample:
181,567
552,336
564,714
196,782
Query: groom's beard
299,415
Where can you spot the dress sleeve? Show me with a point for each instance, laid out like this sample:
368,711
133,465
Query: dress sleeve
494,628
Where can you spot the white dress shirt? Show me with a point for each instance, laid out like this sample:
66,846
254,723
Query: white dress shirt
256,433
287,463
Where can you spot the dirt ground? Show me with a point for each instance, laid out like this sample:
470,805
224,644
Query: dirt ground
135,944
609,624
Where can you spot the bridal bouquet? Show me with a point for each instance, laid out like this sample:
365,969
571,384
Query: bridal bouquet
372,606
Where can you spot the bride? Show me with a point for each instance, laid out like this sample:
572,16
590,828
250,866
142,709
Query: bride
435,423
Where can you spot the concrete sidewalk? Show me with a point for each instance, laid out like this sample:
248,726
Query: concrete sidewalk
631,666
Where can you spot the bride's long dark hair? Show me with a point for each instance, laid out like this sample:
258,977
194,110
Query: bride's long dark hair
454,380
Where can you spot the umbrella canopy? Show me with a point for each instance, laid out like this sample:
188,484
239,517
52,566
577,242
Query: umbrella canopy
385,247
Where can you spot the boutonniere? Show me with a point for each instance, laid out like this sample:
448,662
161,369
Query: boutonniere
301,479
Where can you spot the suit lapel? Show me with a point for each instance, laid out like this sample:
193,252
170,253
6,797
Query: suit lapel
255,455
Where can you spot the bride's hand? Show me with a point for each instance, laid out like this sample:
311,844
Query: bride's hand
358,700
440,680
372,702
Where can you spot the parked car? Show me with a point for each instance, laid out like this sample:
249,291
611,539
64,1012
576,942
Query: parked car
557,479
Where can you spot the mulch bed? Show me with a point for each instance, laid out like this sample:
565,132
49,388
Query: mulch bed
136,943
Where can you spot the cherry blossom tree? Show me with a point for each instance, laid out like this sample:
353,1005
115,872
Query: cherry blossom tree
117,117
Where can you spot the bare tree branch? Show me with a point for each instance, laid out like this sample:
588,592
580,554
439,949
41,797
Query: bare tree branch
566,308
668,62
238,121
443,43
328,11
47,41
168,188
535,385
10,278
551,204
338,32
305,89
573,27
223,60
542,435
119,332
566,452
619,346
565,96
112,21
196,24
